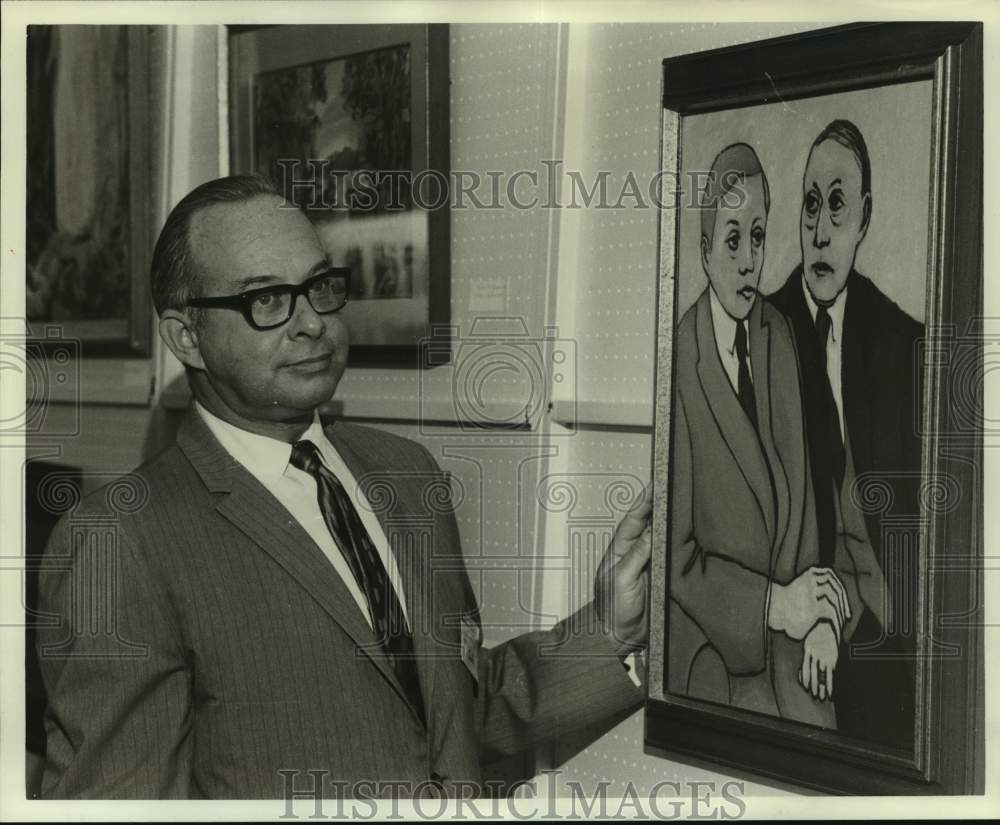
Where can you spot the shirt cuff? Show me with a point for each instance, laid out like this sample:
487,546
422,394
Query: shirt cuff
635,666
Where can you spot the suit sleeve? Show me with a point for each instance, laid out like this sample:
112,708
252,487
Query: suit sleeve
118,722
543,685
725,599
856,564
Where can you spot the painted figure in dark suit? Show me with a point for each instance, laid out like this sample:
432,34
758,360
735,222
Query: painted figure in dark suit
755,621
289,593
861,392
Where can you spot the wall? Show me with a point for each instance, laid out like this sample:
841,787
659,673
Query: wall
570,294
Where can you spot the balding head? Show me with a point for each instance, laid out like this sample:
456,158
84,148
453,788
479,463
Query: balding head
173,269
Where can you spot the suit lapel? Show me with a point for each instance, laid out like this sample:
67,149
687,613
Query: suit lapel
760,357
802,321
262,518
736,429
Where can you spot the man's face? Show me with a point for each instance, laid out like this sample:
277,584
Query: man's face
264,375
834,219
734,260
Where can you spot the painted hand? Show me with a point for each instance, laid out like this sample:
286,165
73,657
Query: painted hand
816,595
819,660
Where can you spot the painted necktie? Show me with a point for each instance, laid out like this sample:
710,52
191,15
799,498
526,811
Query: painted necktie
837,454
745,386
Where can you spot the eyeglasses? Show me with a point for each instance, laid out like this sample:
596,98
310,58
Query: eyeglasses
272,306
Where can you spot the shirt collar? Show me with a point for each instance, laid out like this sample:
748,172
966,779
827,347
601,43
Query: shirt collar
835,310
724,325
264,457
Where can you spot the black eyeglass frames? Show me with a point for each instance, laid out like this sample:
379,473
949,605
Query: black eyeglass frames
272,306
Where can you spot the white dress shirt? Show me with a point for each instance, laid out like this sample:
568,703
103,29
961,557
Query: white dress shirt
725,340
267,460
834,347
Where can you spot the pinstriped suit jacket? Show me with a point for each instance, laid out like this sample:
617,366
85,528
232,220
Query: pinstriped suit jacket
229,649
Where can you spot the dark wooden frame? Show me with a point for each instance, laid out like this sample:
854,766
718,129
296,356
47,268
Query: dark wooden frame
430,146
138,340
949,753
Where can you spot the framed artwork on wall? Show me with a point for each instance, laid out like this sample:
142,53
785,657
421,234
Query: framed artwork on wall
817,603
89,157
351,123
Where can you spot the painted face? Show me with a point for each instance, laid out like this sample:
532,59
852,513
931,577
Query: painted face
274,374
834,219
735,258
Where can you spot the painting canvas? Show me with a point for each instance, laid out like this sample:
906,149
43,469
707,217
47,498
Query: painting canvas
86,229
345,136
842,227
799,298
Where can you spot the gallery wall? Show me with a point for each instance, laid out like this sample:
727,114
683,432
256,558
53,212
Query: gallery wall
535,504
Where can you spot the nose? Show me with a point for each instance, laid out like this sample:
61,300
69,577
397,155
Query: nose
746,260
821,231
305,322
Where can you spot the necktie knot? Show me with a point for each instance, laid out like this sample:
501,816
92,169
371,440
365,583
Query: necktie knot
305,457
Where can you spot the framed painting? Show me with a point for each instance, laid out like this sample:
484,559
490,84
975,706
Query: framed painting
817,602
89,161
352,125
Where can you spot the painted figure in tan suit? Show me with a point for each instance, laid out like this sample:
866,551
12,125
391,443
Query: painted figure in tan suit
288,594
754,621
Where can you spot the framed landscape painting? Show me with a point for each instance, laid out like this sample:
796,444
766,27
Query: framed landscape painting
351,123
817,443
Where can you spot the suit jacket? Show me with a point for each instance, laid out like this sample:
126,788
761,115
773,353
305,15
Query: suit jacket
880,380
881,391
742,516
228,648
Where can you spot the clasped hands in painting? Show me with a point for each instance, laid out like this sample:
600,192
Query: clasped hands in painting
812,607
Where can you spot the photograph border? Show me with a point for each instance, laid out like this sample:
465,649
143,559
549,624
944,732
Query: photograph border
949,746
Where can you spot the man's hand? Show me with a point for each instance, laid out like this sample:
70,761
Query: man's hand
819,659
621,586
815,595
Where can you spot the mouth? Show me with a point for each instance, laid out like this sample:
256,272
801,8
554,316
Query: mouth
746,292
820,269
313,363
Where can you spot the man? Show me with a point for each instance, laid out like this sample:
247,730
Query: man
861,392
263,621
754,621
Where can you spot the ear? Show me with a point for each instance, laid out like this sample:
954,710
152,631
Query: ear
705,249
866,216
178,333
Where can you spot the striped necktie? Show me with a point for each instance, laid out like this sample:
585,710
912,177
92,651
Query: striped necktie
362,557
